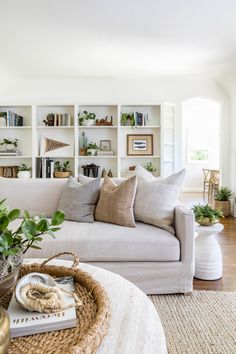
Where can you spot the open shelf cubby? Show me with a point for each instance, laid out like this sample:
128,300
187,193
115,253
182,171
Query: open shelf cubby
159,122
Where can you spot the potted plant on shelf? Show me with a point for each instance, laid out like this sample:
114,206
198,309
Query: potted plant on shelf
92,149
222,200
61,169
24,171
3,119
14,244
87,118
150,168
206,215
127,119
10,144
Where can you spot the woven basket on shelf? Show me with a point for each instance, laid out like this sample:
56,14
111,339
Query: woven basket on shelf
93,316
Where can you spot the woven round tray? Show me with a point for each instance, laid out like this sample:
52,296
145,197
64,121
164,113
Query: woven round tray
93,316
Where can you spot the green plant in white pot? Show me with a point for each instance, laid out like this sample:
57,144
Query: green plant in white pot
92,149
10,144
222,200
87,118
206,215
24,171
14,243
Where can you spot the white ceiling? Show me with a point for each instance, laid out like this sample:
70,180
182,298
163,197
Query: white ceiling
117,38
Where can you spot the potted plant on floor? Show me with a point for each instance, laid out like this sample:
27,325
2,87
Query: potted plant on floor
222,200
14,243
24,171
206,215
92,149
62,169
87,118
10,144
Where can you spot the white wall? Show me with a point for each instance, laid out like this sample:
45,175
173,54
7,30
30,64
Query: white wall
123,91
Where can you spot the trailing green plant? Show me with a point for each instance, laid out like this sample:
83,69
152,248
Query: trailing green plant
28,234
149,167
3,114
62,166
9,142
223,194
86,116
127,116
24,167
206,211
92,146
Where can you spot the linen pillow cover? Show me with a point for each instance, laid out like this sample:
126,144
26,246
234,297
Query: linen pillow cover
78,200
115,204
156,198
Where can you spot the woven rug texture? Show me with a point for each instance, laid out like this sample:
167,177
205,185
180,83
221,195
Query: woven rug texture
202,323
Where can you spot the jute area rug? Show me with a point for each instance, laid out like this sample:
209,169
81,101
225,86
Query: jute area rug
204,322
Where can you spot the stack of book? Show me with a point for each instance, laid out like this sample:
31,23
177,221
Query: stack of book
105,153
11,119
60,120
10,153
46,167
140,119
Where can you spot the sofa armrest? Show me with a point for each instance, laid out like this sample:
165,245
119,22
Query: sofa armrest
184,228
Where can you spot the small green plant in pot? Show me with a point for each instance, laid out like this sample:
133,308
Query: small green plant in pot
206,215
222,200
24,171
150,167
61,169
14,243
10,144
92,149
127,119
87,118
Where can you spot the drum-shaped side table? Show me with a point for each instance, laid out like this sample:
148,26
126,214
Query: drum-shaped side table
208,256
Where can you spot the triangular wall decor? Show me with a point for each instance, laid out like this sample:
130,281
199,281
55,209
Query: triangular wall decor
54,144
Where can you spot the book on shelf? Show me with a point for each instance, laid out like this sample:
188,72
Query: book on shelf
12,119
10,153
140,119
105,153
46,167
23,323
61,120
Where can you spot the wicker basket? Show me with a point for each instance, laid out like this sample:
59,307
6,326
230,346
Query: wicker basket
93,316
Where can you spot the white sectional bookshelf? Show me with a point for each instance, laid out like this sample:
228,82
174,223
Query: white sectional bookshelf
160,123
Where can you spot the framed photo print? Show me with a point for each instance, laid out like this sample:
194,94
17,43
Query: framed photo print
140,144
105,145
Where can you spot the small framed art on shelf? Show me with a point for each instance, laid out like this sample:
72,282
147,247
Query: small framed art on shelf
140,144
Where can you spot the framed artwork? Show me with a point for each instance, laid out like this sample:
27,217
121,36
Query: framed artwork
105,145
140,144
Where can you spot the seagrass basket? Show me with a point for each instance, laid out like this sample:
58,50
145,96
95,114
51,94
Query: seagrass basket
93,316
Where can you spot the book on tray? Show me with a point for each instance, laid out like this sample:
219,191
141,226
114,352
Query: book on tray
24,323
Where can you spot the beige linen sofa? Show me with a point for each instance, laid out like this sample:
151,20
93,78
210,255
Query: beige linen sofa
157,261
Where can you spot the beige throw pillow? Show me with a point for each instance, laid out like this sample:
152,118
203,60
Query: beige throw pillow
156,198
115,204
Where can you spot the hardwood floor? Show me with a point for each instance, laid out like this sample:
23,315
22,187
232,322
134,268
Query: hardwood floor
227,241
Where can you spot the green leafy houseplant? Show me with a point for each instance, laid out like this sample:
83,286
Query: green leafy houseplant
24,171
87,118
24,167
62,169
92,149
149,167
127,119
206,214
13,244
222,200
10,142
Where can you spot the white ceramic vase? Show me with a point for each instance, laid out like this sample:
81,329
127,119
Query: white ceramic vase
24,174
88,122
91,152
10,147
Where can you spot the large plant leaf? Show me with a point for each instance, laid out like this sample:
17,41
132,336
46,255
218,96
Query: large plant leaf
4,222
14,214
29,229
58,218
42,225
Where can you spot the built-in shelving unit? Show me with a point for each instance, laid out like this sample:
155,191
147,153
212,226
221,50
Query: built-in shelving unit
160,123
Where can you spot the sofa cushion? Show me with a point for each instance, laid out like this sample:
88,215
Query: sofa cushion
157,198
104,242
78,200
115,204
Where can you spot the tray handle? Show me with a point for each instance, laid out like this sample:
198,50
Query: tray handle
75,256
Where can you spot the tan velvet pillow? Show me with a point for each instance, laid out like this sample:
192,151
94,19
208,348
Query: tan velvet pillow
115,204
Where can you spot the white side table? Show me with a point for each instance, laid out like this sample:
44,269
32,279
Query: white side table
208,256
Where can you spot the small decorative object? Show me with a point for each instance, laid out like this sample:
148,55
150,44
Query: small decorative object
110,174
13,244
3,119
83,144
92,149
104,122
8,171
104,173
87,119
131,171
49,121
105,145
127,119
87,169
206,215
222,200
140,144
10,144
4,331
39,292
61,170
150,168
48,145
24,171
